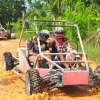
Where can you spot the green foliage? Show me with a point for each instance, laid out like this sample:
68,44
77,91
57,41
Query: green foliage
80,18
75,11
57,6
11,10
93,53
40,8
17,25
17,35
25,35
28,35
32,28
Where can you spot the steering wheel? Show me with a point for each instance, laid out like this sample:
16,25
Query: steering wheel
70,46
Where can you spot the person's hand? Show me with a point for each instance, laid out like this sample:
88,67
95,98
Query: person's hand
34,38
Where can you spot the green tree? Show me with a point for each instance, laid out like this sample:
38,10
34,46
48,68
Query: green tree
40,7
11,10
56,7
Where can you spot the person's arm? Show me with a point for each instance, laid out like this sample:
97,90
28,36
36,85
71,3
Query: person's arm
49,45
68,43
31,43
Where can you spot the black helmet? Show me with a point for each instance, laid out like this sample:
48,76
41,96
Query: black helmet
44,35
59,32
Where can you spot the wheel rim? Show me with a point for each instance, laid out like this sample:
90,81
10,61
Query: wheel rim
27,84
4,63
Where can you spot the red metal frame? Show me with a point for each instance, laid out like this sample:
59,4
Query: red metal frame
75,78
71,78
43,71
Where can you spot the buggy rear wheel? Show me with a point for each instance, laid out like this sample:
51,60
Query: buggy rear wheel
32,82
97,73
7,61
97,70
9,34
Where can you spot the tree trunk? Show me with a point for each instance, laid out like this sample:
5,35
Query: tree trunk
97,40
92,36
9,25
89,20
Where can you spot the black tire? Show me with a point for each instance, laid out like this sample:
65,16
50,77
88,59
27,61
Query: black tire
9,34
32,82
97,73
90,70
97,70
7,61
43,64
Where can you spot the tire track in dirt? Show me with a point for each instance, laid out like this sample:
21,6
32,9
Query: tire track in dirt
12,87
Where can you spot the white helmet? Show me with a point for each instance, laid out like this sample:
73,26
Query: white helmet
44,35
59,32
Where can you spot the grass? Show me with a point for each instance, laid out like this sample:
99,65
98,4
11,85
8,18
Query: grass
25,35
17,35
92,52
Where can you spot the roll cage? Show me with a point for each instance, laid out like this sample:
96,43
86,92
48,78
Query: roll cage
54,63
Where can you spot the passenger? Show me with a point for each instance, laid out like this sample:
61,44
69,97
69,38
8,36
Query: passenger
43,36
57,43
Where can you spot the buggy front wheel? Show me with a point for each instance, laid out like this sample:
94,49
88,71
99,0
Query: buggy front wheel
7,61
32,82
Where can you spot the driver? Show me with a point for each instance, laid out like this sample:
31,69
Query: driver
33,45
57,44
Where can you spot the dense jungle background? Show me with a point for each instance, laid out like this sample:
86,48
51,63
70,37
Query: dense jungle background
84,13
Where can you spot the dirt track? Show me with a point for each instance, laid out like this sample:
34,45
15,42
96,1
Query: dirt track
12,87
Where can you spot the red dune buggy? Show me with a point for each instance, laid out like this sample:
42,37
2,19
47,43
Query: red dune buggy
56,76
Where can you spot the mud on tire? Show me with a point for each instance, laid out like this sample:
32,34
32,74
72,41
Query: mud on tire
7,61
32,82
97,72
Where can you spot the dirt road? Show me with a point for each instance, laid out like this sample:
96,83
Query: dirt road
12,87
